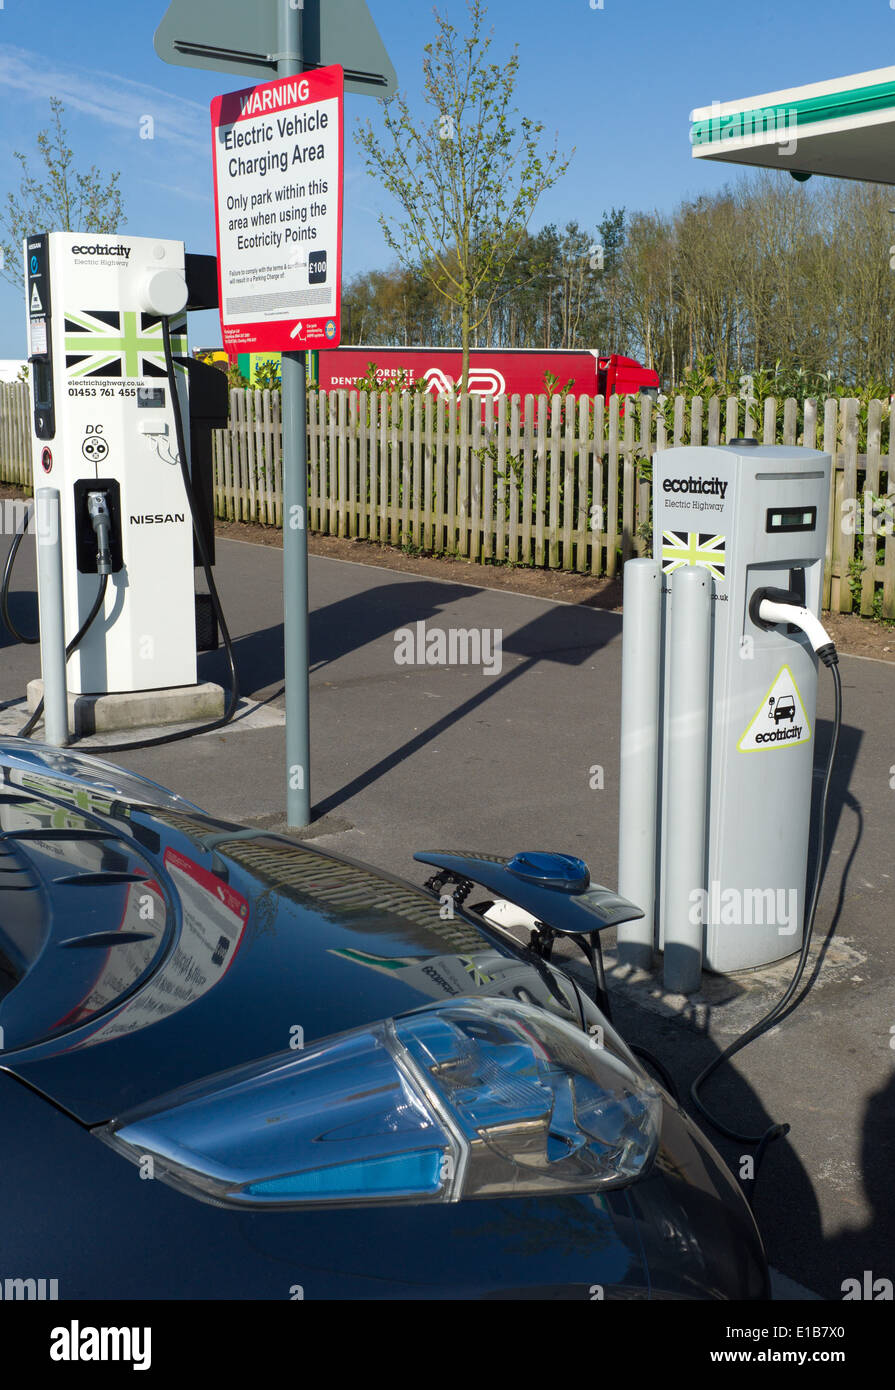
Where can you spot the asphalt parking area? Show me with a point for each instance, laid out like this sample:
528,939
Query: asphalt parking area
461,756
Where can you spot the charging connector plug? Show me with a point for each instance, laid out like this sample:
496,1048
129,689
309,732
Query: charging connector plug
771,607
101,521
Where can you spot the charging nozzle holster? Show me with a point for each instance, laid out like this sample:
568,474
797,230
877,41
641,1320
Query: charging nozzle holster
769,607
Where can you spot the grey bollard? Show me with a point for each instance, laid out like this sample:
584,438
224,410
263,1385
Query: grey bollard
686,764
52,617
638,770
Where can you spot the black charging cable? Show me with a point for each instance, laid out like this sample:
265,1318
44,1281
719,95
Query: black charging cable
98,508
72,646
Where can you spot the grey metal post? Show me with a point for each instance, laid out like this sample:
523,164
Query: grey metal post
295,520
52,617
639,762
686,764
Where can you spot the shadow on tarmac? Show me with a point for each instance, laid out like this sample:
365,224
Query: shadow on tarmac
786,1204
552,636
344,627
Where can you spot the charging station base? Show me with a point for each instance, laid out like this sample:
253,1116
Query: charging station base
138,709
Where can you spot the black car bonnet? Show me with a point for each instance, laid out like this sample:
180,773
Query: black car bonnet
245,943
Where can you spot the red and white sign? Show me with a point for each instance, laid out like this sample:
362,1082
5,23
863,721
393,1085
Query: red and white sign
278,160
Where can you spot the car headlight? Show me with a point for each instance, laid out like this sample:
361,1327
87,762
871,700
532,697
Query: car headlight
484,1097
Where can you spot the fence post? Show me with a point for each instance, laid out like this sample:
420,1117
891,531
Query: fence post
871,487
831,447
849,493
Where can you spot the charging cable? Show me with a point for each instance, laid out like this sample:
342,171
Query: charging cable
769,608
101,520
98,511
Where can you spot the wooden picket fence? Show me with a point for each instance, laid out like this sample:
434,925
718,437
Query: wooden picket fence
548,482
558,483
15,433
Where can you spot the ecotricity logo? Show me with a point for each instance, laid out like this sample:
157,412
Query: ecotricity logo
714,487
780,720
119,250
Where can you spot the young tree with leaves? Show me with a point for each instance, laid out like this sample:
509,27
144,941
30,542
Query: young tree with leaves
466,180
56,197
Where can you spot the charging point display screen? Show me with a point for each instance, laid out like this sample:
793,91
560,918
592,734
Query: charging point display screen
150,397
793,519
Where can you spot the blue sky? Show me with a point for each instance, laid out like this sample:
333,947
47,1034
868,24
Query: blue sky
617,83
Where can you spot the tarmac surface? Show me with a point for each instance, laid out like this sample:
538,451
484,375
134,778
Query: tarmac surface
408,757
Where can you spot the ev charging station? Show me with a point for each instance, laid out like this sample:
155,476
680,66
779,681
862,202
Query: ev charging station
718,708
722,633
105,438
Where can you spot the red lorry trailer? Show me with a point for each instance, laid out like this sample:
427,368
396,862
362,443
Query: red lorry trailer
492,372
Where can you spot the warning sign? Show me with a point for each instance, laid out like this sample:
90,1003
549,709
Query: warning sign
278,157
36,306
780,721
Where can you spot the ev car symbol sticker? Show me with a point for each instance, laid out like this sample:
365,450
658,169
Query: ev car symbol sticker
693,548
780,720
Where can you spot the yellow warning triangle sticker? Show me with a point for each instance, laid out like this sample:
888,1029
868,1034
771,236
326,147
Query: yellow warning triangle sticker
780,721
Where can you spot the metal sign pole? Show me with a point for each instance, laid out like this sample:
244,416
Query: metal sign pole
295,519
253,39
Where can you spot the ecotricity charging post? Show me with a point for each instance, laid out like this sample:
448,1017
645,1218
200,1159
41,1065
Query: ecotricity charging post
104,437
732,864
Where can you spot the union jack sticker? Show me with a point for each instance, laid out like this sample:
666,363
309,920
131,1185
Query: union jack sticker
109,343
693,548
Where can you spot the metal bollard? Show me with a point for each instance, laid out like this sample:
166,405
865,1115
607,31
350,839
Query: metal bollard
52,617
639,770
683,857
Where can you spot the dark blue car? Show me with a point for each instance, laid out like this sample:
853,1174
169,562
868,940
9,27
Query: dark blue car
234,1066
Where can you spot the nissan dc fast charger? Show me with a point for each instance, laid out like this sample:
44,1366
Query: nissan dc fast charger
122,422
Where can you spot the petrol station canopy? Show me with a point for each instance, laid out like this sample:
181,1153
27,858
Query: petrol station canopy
844,128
